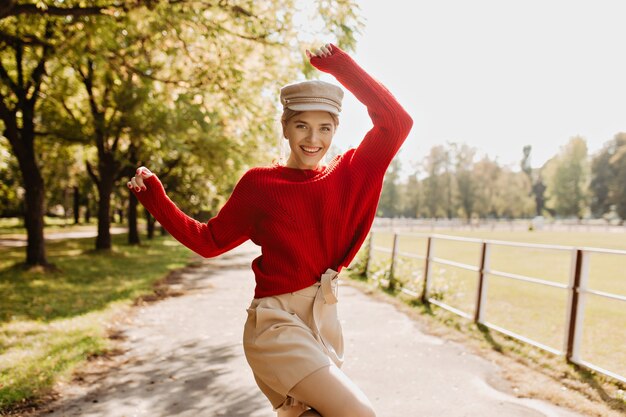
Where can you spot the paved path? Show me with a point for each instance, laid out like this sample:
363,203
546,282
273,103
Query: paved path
19,239
184,357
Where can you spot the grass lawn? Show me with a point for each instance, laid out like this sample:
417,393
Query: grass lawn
15,226
52,321
534,311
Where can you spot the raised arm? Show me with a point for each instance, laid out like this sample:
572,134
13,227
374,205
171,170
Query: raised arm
227,230
391,122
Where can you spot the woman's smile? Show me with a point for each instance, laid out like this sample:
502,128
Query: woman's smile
310,149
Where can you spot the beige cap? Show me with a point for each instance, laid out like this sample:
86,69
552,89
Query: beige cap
312,95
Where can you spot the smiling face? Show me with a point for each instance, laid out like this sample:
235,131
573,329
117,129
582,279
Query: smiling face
310,134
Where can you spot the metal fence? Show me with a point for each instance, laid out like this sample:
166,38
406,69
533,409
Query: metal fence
552,225
577,289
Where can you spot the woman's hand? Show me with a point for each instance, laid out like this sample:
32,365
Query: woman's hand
136,182
323,52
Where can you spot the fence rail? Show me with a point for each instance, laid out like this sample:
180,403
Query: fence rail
432,225
577,288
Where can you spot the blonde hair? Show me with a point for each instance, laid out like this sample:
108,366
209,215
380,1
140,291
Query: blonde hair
288,114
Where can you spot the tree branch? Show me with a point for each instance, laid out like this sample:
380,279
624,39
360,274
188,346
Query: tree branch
31,9
19,56
134,70
69,111
39,71
8,117
4,76
92,174
260,38
25,39
88,82
10,8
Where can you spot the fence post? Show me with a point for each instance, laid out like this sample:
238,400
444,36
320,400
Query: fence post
482,283
429,250
576,304
392,282
369,255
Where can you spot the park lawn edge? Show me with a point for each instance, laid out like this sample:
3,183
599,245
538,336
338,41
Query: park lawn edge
75,341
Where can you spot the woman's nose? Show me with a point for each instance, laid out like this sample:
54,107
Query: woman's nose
313,136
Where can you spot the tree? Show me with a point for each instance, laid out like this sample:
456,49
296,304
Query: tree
539,190
525,164
22,69
569,183
466,184
486,174
412,197
230,52
390,204
513,200
603,176
436,184
618,164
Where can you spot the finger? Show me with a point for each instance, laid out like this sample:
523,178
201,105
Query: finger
129,184
308,54
325,50
139,181
317,52
133,181
144,172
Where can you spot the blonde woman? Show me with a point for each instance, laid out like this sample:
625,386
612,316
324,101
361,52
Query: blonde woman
310,220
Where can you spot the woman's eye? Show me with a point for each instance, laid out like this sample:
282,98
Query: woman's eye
326,129
300,126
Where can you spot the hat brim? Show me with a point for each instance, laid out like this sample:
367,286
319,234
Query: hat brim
314,107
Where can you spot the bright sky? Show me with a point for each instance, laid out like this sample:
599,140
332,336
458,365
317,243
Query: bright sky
496,74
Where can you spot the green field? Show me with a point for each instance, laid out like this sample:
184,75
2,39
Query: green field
535,311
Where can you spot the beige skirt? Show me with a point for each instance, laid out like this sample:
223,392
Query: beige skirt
289,336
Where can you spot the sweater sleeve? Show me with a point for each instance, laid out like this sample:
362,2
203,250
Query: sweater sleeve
392,123
227,230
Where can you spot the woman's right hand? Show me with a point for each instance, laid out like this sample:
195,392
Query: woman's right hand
136,182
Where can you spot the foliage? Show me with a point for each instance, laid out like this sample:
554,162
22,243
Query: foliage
457,185
437,182
388,205
568,182
11,193
466,185
602,174
198,80
412,194
618,165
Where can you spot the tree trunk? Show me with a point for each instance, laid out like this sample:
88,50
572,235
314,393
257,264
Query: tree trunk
33,218
105,188
133,232
22,142
76,205
87,212
150,224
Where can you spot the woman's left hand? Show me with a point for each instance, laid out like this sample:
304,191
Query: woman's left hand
323,52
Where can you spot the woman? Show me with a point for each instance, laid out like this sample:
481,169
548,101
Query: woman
310,221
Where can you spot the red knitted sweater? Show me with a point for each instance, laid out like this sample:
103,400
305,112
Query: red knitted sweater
305,221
